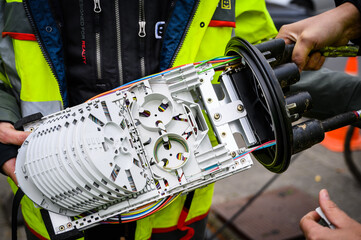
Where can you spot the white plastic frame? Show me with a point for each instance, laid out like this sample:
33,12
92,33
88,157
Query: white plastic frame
111,155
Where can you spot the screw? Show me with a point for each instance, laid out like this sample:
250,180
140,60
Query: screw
209,100
233,154
217,116
240,108
224,134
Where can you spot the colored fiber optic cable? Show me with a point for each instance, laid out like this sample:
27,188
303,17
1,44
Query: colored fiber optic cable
264,145
218,60
219,64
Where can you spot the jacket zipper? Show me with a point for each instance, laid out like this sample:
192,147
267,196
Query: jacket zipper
119,42
42,48
194,11
97,8
97,11
142,35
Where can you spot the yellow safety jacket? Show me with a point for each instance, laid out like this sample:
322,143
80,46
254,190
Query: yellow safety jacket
39,82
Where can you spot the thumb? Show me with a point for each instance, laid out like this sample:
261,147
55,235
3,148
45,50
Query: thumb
336,216
9,135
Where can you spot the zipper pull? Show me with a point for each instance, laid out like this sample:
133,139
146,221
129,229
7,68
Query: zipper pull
141,29
97,8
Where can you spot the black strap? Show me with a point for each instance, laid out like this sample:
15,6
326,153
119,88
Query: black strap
19,125
68,235
14,214
188,201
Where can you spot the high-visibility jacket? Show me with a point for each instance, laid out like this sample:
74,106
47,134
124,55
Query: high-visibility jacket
33,66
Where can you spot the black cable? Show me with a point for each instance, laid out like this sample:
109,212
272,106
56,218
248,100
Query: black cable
248,203
349,158
14,216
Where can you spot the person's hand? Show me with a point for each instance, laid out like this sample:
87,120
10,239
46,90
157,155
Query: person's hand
346,227
332,28
8,135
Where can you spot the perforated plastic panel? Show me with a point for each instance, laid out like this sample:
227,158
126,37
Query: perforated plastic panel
131,147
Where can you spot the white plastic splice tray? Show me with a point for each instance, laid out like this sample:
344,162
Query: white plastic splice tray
132,147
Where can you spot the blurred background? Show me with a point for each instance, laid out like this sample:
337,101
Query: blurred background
257,204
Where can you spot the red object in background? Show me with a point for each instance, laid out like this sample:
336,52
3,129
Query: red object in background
334,140
352,66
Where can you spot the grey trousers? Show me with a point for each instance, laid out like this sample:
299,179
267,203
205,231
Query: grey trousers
332,92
